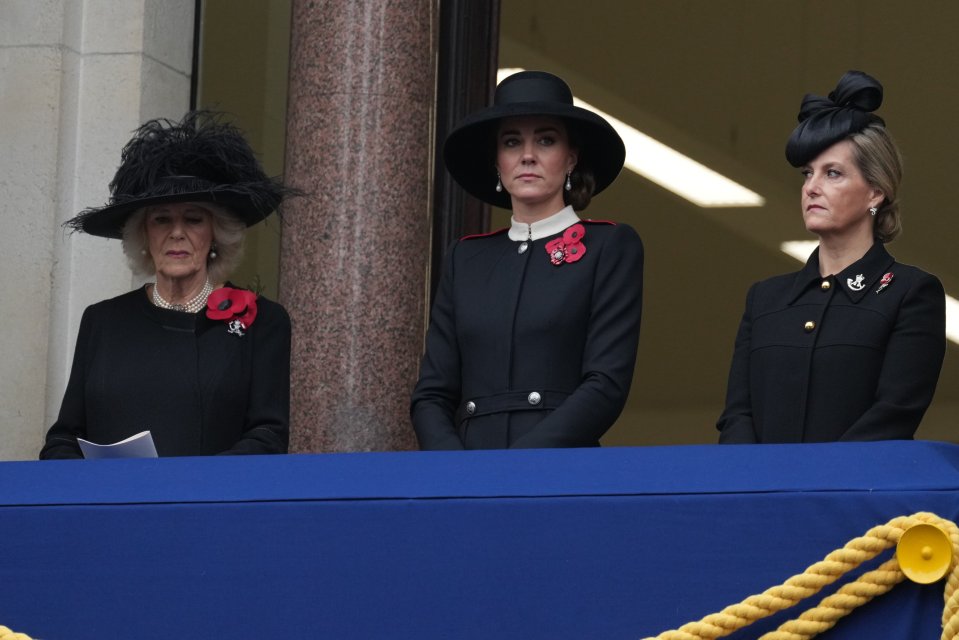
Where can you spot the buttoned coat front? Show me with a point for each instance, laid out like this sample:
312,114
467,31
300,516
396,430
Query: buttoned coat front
522,352
199,388
855,356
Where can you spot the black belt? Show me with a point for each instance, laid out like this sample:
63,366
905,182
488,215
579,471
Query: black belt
509,401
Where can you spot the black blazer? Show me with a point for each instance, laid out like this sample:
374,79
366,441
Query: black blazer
836,358
198,388
524,353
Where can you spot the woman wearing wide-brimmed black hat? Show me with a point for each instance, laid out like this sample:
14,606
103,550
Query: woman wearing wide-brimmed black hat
850,347
200,364
533,333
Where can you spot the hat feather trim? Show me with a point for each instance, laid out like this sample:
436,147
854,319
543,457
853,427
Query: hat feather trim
200,158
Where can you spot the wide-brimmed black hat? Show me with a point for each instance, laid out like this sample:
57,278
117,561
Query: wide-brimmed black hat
469,151
199,159
825,121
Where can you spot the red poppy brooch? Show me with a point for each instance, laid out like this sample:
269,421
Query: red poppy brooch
236,307
568,248
884,282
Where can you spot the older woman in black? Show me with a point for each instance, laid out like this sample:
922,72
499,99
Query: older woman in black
533,334
202,365
850,347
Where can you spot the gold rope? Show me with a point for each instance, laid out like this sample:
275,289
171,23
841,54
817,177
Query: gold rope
832,608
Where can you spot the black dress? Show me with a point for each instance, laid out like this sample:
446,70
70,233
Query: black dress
522,352
838,358
198,388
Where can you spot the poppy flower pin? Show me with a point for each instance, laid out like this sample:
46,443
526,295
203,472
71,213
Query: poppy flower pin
236,307
884,282
569,247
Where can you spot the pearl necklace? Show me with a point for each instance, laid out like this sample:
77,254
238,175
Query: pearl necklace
192,306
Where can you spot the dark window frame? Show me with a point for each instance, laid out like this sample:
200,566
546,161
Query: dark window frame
468,53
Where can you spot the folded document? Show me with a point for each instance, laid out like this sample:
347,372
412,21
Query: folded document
136,446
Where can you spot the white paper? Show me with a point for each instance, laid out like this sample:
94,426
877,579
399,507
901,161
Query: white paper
138,446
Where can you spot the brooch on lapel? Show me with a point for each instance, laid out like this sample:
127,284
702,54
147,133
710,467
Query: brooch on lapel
856,285
236,307
886,279
569,248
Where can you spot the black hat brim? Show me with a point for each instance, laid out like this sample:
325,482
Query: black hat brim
470,149
199,159
248,206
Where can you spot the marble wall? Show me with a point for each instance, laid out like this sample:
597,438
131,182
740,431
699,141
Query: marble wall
356,248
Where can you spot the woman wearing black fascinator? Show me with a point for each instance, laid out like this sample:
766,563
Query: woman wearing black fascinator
850,347
202,365
533,334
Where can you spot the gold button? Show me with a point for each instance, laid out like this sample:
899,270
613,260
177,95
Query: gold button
809,326
825,285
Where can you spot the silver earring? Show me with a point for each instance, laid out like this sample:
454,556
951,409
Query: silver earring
213,252
499,183
143,252
873,211
569,185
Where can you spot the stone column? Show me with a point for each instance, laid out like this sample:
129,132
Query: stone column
355,250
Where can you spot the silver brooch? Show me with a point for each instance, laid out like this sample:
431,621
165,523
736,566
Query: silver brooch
856,285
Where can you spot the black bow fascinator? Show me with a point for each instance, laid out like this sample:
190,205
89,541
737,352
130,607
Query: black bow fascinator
199,159
825,121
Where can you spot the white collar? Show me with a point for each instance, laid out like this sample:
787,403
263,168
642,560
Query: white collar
559,221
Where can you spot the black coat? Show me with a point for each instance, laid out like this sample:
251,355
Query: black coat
506,326
199,389
836,358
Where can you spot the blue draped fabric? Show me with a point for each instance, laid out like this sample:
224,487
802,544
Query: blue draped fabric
591,543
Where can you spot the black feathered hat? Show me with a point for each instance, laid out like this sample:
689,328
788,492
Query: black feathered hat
469,151
825,121
199,159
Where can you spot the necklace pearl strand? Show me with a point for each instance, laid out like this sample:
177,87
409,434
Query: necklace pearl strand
192,306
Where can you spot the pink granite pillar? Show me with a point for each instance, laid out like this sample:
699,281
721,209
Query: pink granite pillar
355,250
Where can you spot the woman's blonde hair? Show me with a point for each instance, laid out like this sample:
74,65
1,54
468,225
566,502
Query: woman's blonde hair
228,235
880,162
